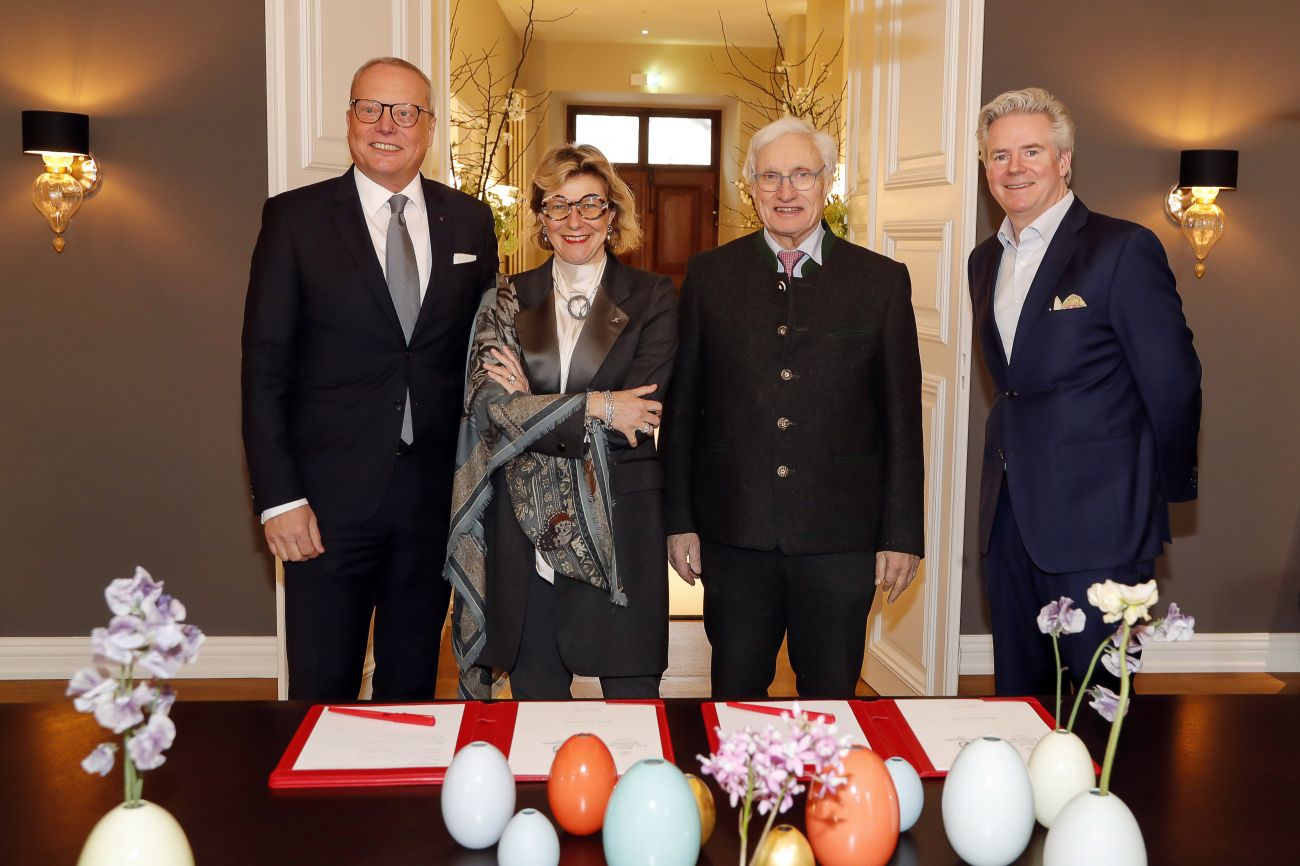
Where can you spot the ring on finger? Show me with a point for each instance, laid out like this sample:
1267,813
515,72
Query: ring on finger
512,378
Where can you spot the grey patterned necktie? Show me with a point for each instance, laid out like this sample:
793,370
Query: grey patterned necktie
403,285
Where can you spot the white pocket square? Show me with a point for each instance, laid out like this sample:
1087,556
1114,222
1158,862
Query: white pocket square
1074,302
462,258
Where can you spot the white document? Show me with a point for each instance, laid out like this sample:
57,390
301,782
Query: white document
630,731
944,727
732,719
340,742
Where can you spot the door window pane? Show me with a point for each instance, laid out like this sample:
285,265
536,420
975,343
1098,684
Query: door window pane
681,140
614,134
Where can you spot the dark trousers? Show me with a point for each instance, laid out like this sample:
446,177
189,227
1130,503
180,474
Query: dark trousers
390,565
540,673
754,598
1023,663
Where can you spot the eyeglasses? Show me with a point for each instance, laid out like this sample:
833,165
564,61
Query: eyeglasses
590,207
404,114
802,179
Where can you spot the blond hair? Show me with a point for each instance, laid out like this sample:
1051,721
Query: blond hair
567,160
1031,100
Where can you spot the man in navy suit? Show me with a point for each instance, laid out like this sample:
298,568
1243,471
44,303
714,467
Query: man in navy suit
356,326
1093,431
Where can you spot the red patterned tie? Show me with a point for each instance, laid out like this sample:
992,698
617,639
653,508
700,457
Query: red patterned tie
790,258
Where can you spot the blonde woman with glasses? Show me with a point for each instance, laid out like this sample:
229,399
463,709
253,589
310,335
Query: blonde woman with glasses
567,372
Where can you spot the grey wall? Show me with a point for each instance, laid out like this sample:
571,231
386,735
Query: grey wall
119,359
1127,72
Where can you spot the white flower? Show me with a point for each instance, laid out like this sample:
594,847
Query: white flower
1117,601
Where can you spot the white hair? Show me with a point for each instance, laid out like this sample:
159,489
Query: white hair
790,125
1030,100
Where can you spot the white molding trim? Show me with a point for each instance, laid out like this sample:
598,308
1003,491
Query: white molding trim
1247,652
58,658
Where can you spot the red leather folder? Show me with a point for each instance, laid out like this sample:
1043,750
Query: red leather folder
491,722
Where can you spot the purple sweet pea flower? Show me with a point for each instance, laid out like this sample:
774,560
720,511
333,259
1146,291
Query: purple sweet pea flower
90,687
1110,659
124,712
1105,702
147,745
131,594
1061,617
101,760
1175,626
120,642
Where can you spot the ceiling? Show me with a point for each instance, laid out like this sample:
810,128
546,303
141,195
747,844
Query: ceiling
677,22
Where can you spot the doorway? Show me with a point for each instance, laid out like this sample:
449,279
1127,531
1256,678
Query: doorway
670,158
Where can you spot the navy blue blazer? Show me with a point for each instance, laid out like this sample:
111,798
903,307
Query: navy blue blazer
1097,414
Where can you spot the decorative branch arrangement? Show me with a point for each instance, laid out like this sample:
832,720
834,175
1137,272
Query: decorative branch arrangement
484,153
772,93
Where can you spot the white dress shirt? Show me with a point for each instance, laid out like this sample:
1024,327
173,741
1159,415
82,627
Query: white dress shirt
570,281
811,246
374,204
1020,261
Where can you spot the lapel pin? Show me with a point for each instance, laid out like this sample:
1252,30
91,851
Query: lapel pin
616,320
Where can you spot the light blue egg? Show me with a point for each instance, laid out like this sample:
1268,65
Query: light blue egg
911,795
652,819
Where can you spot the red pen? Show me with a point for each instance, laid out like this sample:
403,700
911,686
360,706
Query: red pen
784,712
385,716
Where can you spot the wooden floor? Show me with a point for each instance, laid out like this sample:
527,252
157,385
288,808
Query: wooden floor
687,676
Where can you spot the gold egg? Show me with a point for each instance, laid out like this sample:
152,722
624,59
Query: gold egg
784,846
703,802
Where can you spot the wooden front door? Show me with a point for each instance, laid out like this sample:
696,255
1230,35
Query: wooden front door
676,189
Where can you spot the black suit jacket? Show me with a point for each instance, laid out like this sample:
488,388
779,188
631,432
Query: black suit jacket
795,420
1097,413
325,364
629,339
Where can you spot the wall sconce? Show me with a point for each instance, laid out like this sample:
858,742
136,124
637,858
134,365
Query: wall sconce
71,173
1190,203
646,79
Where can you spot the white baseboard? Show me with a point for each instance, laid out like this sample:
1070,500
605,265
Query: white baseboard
1204,653
54,658
58,658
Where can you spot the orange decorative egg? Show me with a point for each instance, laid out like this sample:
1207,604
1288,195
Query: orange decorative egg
857,825
582,778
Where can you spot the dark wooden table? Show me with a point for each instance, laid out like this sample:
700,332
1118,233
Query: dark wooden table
1211,779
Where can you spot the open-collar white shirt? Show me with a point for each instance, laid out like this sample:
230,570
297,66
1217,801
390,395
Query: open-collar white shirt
1020,261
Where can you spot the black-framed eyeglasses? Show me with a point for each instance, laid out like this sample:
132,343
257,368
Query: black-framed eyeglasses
590,207
802,179
405,114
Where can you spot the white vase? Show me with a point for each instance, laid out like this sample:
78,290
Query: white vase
478,795
1060,768
529,840
141,835
988,803
911,795
1091,825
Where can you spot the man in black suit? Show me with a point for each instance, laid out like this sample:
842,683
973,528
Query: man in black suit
1094,428
792,435
356,326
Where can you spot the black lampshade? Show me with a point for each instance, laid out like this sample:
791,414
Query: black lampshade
56,132
1208,168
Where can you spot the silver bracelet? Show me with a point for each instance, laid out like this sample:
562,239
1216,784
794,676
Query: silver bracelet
609,409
